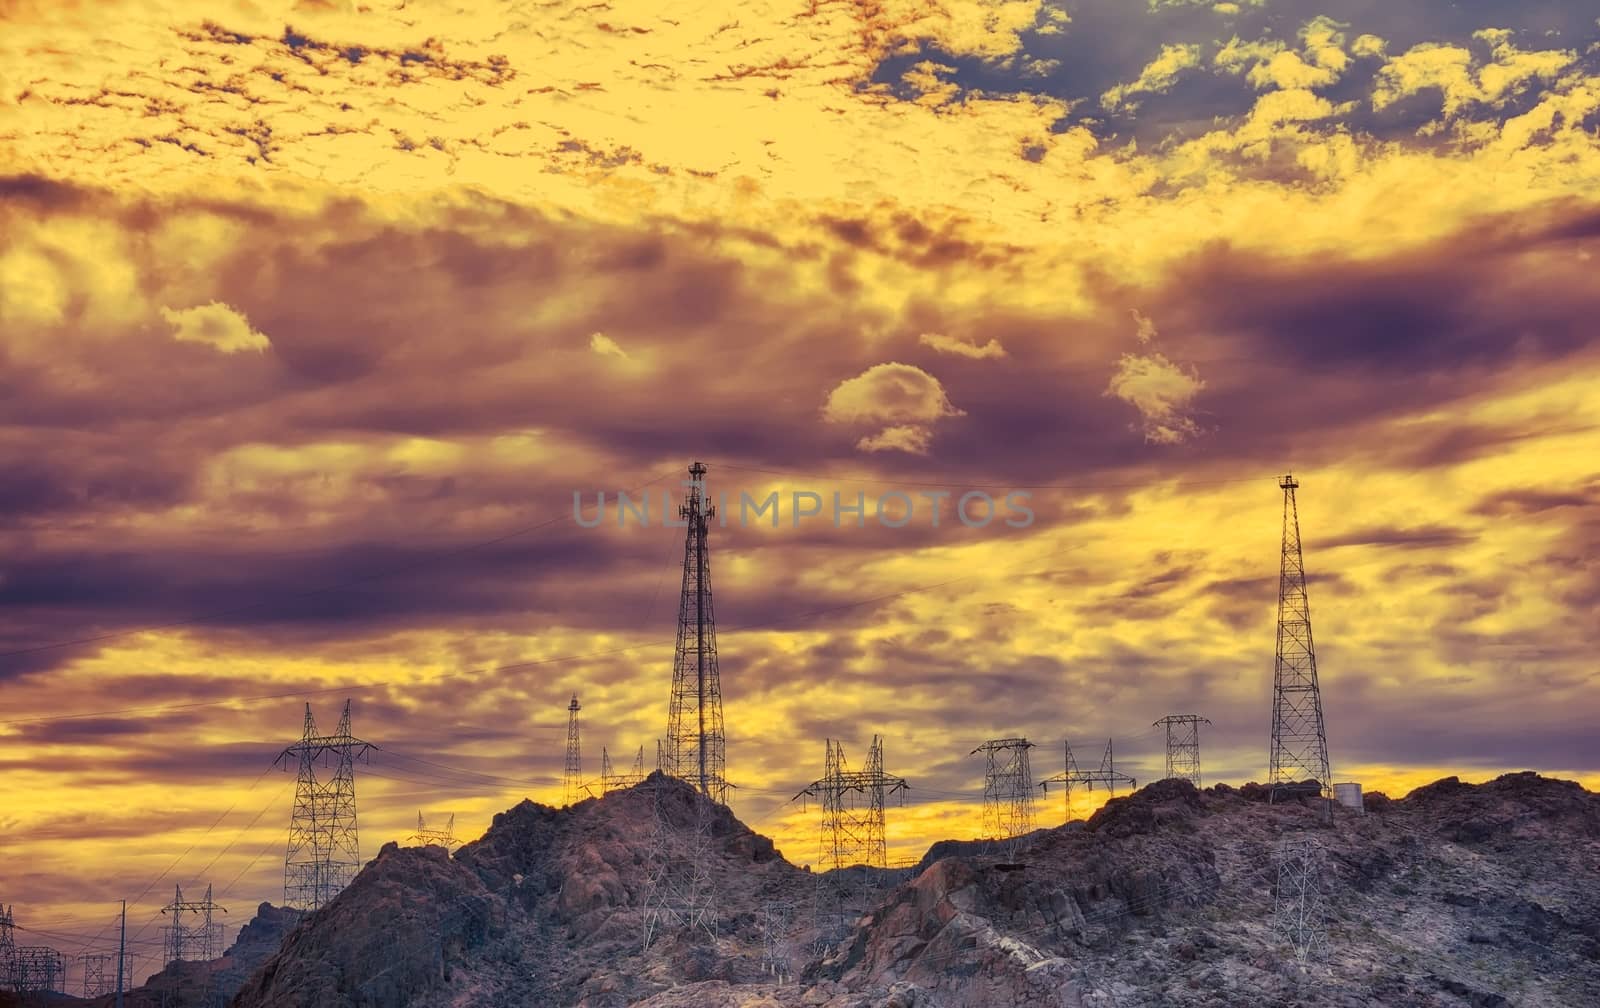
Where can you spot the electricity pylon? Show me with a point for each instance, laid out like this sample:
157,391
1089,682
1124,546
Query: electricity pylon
1300,914
1183,746
679,890
1007,788
613,781
1299,742
324,851
1107,774
574,762
852,807
192,935
445,838
853,835
696,744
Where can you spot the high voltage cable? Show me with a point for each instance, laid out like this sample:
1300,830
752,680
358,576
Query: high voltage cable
892,481
515,666
404,568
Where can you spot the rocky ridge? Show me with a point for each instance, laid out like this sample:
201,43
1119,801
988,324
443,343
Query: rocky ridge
1457,895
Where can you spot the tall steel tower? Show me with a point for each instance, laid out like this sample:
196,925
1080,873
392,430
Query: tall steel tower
1299,741
324,853
574,763
1007,788
696,746
1183,746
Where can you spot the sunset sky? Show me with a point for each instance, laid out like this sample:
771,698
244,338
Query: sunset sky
314,316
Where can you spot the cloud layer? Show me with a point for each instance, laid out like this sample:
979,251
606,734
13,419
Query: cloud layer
313,318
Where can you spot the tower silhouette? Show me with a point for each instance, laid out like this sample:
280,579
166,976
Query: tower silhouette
324,853
574,762
696,749
1299,741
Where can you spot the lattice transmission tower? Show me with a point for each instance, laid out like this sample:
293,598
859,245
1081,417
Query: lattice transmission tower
324,852
854,839
98,974
574,759
8,950
1299,742
1106,774
680,893
696,745
1183,746
853,804
1300,913
610,780
1007,788
193,935
445,838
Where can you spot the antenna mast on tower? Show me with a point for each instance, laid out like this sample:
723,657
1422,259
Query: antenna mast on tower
1299,741
696,748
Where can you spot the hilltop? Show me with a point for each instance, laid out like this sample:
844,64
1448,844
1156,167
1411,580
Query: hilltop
1456,895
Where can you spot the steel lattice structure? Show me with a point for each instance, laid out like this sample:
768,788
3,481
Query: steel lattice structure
192,935
99,975
853,841
1300,915
38,969
852,807
1183,746
696,744
1007,788
574,760
1299,753
8,950
679,891
1107,774
775,918
324,851
612,781
445,838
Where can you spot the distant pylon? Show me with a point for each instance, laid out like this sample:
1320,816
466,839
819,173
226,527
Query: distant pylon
192,935
96,980
445,838
1299,741
1300,914
679,890
612,781
1007,788
696,745
1183,746
854,839
324,851
574,762
1107,774
775,918
8,950
852,807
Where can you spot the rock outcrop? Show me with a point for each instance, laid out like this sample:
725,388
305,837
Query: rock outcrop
1457,895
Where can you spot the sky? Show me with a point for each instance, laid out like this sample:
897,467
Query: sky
315,316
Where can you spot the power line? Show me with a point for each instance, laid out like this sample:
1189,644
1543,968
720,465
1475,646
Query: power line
515,666
978,486
405,568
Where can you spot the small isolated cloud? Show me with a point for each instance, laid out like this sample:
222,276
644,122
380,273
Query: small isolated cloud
1147,328
1160,390
1159,75
903,438
605,346
960,347
903,400
216,325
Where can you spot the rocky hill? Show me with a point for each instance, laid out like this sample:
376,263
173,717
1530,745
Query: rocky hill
1457,895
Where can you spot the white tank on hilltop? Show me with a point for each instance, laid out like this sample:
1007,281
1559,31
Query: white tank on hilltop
1349,795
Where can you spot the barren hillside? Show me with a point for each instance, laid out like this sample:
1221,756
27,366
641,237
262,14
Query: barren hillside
1457,895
